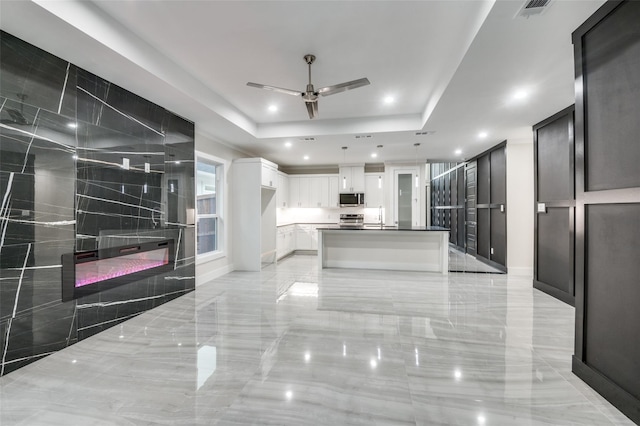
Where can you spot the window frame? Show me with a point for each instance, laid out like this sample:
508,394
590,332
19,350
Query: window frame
221,166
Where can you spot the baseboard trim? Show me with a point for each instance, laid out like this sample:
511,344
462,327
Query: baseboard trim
521,271
621,399
563,296
212,275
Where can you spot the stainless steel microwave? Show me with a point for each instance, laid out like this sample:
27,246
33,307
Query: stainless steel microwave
352,199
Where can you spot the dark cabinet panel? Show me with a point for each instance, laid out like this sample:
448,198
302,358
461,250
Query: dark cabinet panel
553,249
612,293
498,177
498,236
554,189
491,226
470,208
607,291
612,87
554,154
483,182
445,195
483,231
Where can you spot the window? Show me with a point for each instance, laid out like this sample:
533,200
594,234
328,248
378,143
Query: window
209,199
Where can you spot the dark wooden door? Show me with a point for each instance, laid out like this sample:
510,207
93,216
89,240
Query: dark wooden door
554,206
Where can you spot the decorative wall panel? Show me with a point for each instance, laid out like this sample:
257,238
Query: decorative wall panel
607,294
84,165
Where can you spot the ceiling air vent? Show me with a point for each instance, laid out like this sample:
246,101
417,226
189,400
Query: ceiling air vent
532,8
425,133
307,139
363,136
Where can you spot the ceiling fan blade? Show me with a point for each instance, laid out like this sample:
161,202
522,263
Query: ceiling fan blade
337,88
312,109
275,89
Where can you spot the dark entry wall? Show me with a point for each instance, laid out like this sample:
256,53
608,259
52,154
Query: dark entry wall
554,229
470,198
607,129
491,206
64,188
447,200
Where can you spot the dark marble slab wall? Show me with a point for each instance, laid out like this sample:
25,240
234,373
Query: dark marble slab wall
64,135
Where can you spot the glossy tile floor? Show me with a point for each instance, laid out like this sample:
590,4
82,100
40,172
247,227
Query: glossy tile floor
336,347
462,262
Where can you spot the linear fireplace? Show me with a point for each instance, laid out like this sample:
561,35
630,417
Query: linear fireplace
89,272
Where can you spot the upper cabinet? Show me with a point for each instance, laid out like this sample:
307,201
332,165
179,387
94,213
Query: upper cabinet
334,190
374,190
269,174
282,192
352,179
313,191
299,191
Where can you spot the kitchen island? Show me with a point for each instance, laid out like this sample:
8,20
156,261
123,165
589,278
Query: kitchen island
384,247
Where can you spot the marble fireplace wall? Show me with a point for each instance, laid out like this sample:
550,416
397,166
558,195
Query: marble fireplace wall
65,134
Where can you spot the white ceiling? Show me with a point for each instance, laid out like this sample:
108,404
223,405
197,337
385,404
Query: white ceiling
452,67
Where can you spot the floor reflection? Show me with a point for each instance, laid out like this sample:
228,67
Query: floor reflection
294,345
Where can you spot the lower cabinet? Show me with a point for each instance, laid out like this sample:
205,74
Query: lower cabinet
296,237
285,240
303,237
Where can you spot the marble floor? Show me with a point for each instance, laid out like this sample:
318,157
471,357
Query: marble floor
462,262
292,345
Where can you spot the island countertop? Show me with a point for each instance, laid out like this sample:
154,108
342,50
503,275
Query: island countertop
382,228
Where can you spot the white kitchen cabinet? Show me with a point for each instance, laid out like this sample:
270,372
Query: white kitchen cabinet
254,221
299,191
334,191
351,179
286,240
304,237
290,238
313,191
315,184
282,192
374,190
269,174
319,191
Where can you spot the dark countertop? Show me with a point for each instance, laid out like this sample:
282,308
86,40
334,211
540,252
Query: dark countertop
382,228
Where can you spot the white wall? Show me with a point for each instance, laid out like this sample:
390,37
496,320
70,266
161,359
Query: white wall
520,215
209,270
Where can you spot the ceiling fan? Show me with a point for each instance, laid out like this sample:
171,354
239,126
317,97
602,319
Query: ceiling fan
310,96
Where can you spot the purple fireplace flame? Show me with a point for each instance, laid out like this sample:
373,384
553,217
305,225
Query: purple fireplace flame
94,271
105,269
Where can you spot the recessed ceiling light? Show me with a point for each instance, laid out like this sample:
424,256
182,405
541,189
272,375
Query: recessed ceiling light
374,155
520,94
287,144
458,151
483,135
72,125
273,108
389,100
306,157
